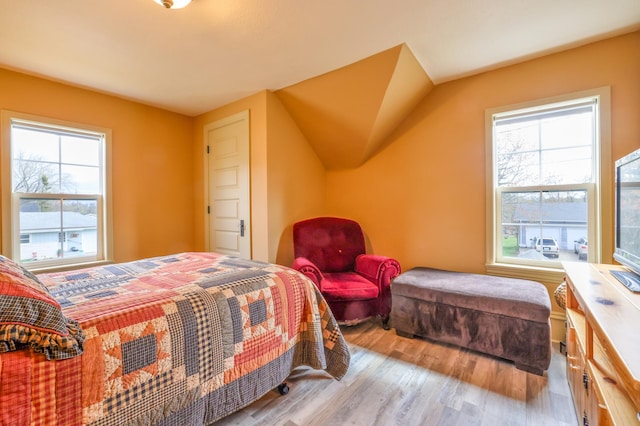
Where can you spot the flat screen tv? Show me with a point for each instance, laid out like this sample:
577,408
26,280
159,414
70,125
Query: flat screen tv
627,220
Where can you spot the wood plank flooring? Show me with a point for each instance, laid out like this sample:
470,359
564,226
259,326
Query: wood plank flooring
398,381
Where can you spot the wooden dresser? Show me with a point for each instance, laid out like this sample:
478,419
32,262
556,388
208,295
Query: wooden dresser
603,346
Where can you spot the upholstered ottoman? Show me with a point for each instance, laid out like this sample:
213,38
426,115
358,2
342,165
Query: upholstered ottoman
504,317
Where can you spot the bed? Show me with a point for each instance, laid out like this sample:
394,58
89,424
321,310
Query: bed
184,339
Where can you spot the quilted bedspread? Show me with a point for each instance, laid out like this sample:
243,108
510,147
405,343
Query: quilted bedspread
183,339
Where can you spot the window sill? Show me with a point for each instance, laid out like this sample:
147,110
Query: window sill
69,267
544,275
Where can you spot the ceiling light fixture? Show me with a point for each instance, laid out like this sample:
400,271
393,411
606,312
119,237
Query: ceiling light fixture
173,4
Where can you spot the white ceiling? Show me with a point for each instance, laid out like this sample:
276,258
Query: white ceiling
213,52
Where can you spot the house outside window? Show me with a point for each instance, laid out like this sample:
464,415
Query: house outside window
548,165
55,192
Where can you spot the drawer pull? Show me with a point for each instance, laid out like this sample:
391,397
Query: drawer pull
585,382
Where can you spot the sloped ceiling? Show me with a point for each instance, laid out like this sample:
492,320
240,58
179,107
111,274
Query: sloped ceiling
348,114
214,52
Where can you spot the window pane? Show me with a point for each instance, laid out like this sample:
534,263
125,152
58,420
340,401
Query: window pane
56,229
55,162
35,176
34,144
566,166
546,148
80,150
41,220
80,179
80,227
518,168
543,225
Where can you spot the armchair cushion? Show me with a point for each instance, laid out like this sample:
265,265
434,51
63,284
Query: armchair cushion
347,286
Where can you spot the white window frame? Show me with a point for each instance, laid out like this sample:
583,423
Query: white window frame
600,215
11,200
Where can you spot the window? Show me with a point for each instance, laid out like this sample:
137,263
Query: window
546,174
55,192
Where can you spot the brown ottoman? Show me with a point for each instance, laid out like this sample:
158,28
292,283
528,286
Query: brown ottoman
504,317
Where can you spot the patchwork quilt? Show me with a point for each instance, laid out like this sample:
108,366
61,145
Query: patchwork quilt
183,339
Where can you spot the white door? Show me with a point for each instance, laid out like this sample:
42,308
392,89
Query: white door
228,221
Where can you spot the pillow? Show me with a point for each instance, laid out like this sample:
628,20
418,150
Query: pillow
31,317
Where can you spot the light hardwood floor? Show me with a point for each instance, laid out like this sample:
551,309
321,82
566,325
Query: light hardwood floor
398,381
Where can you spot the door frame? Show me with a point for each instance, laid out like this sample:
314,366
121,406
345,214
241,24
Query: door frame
241,116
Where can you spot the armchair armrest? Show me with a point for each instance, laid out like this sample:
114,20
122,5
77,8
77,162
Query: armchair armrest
378,269
308,268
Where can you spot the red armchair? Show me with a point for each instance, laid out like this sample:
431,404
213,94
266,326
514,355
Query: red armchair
331,252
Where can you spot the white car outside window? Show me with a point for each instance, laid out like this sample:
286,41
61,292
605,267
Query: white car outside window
548,247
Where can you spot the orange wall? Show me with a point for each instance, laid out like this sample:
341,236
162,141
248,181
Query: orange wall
287,178
151,160
296,181
422,199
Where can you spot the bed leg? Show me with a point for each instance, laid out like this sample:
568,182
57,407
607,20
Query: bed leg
283,388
